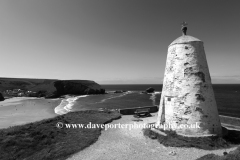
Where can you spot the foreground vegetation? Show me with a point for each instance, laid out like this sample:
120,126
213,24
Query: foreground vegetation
44,141
208,143
233,155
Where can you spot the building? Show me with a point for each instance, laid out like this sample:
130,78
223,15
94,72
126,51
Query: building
187,95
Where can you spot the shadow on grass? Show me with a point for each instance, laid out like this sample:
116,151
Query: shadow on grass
233,155
233,137
44,141
207,143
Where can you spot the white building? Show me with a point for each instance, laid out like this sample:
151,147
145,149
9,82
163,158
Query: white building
187,94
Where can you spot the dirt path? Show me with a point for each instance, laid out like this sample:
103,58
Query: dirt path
125,144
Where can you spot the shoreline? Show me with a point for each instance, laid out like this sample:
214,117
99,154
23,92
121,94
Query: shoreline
22,110
66,105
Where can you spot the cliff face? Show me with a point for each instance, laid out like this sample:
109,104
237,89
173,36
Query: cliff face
1,97
49,88
77,87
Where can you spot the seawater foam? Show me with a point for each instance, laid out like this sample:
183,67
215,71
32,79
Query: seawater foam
66,105
125,93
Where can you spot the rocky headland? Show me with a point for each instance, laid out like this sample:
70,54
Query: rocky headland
1,97
48,88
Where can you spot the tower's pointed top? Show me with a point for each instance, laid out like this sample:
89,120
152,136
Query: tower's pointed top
184,28
184,39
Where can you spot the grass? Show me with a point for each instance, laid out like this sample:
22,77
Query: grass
44,141
174,140
208,143
233,155
233,137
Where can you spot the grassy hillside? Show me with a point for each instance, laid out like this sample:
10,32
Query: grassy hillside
233,155
44,141
27,84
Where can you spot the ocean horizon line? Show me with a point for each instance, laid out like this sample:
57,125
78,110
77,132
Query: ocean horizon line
161,84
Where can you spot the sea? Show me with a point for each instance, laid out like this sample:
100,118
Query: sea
227,97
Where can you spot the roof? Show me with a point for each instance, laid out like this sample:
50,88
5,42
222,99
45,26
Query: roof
185,39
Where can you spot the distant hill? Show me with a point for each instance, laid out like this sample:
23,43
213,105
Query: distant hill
48,87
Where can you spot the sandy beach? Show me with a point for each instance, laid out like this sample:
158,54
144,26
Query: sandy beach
21,110
125,144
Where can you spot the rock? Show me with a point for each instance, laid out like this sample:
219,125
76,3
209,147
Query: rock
150,90
118,91
90,91
1,97
172,153
33,94
77,87
102,91
53,96
41,93
224,131
102,109
136,119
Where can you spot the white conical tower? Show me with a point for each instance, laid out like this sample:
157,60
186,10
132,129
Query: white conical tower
187,94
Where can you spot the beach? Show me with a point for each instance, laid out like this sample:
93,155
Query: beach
22,110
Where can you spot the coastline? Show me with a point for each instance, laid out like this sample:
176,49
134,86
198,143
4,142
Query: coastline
22,110
133,138
66,105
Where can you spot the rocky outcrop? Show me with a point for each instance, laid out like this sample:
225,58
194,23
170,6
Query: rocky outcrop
119,91
1,97
77,87
150,90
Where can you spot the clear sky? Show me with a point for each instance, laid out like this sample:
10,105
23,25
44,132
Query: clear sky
114,41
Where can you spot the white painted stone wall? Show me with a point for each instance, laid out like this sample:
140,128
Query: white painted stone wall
187,94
